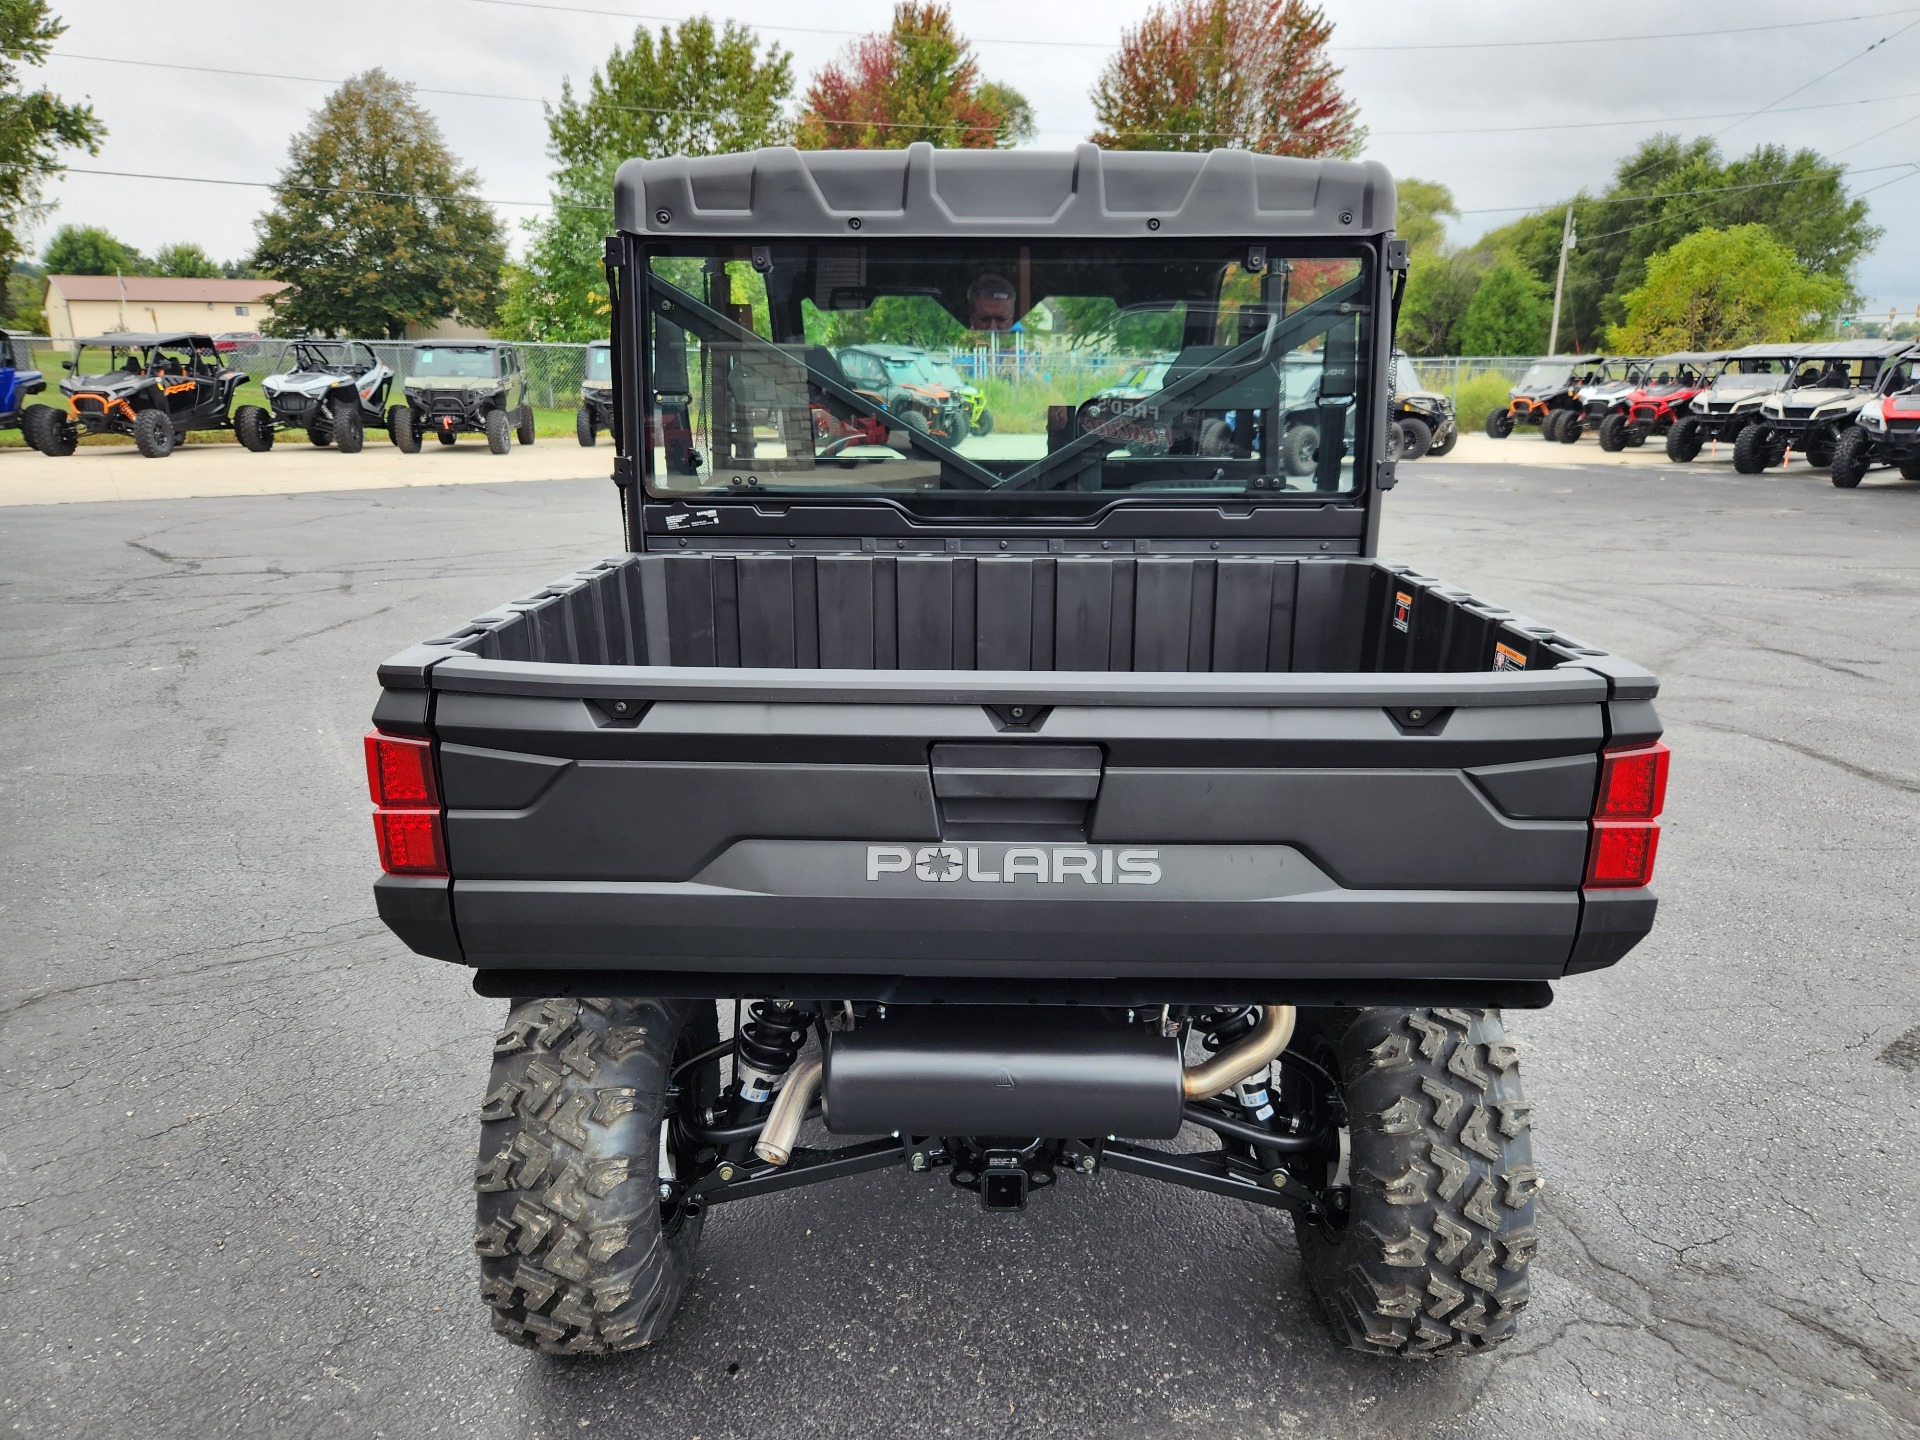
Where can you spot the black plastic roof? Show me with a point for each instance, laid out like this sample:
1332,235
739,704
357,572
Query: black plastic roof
923,193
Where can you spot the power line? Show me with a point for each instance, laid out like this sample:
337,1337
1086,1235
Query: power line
1704,190
884,124
1821,76
325,189
1557,42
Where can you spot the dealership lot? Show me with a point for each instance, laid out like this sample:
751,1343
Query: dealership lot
236,1167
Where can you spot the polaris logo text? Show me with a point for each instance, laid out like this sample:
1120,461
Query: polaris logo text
1048,865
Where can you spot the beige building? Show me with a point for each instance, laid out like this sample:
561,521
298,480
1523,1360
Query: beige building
80,305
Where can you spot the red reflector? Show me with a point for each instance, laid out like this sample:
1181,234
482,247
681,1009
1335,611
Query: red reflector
1633,784
1622,853
400,771
410,842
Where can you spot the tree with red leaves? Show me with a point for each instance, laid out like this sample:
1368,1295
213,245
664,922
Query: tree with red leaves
918,81
1247,75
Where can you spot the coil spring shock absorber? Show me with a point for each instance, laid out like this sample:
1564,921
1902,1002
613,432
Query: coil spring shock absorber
770,1040
1223,1027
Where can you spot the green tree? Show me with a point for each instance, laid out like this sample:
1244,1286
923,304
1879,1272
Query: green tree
1239,74
374,223
1667,189
918,81
1506,316
1425,205
35,125
1718,289
21,307
186,260
1440,289
693,90
90,250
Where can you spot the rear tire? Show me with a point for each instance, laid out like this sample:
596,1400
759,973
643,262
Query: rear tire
1442,446
1416,439
33,421
1852,457
583,426
1499,423
1216,438
1613,434
499,432
1684,440
984,425
400,430
1550,427
253,427
349,433
579,1253
1431,1254
1910,469
1570,427
153,434
1300,450
1750,450
320,430
523,432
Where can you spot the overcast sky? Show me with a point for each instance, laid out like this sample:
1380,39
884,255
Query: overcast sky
1451,98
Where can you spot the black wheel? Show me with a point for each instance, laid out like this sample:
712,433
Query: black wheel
349,430
1550,426
583,426
1416,438
58,434
400,430
1445,443
1216,438
1570,427
1300,450
253,427
1636,436
1430,1253
1684,439
1750,450
1500,423
499,432
984,425
1852,457
320,429
1910,468
523,432
153,434
1819,453
586,1240
1613,433
33,425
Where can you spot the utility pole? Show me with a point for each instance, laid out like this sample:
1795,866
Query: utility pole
1560,281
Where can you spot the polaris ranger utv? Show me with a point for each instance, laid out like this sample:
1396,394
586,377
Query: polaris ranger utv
596,395
1827,390
334,390
1736,386
462,387
1015,808
1424,417
155,388
1547,396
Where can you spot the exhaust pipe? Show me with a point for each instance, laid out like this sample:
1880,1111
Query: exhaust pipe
1009,1071
1235,1063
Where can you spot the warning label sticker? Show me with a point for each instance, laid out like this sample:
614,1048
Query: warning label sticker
1402,610
1505,657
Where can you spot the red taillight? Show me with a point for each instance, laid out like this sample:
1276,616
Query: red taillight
400,771
407,823
1626,827
1633,784
410,842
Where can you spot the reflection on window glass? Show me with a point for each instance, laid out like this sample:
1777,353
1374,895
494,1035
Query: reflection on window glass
452,362
993,368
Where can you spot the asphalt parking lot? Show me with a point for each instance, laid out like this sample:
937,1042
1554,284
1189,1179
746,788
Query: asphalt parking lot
240,1120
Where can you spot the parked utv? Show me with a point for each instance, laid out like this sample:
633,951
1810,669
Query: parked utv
155,388
1614,379
973,400
1832,381
1545,394
596,394
1885,432
1030,809
334,390
1731,402
462,387
1668,386
899,380
1425,417
1127,413
17,382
